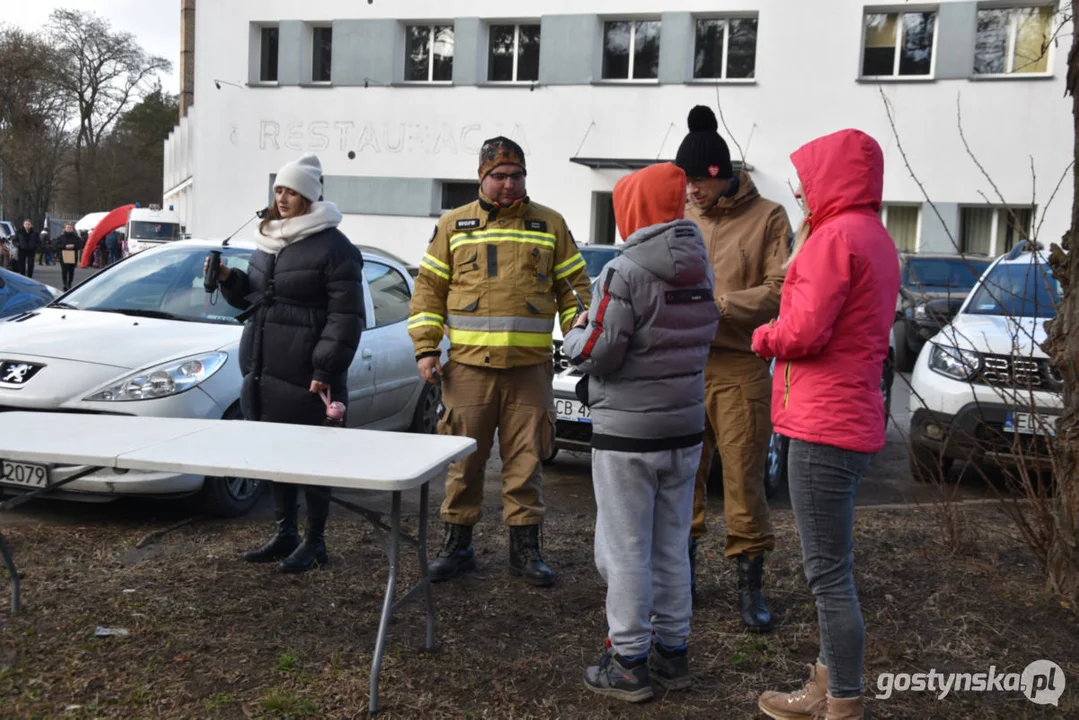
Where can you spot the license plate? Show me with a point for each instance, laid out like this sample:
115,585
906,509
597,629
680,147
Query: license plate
572,410
1030,424
23,474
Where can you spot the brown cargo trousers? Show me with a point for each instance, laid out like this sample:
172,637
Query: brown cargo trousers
737,401
519,403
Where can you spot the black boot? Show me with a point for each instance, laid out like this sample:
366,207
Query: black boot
312,550
525,558
693,568
755,614
456,555
287,538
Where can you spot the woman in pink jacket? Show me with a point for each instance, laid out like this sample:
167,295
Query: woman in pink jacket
830,342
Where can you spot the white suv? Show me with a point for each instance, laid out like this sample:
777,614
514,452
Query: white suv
983,390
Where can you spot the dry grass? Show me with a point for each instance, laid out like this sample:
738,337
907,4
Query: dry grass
212,637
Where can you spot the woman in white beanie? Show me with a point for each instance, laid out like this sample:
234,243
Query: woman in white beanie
303,300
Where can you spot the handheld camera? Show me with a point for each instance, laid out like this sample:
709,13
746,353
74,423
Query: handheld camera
213,269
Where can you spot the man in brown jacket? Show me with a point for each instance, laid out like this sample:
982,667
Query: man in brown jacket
747,239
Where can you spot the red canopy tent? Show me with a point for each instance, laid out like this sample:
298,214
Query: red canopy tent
115,219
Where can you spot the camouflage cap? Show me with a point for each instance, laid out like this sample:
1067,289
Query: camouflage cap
500,151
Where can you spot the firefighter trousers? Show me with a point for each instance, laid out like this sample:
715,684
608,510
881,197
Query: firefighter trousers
737,399
518,402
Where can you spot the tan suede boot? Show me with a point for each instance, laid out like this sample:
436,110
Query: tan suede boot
809,702
848,709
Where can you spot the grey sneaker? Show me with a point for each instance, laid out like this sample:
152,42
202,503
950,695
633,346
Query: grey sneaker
670,666
619,677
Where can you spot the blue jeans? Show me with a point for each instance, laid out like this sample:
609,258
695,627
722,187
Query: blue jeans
822,484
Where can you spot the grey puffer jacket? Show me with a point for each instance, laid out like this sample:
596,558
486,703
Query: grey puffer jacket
652,320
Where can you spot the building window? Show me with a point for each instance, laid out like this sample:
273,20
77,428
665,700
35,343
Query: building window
1013,40
456,194
321,53
631,50
902,222
268,55
429,53
993,231
726,48
513,53
899,44
390,295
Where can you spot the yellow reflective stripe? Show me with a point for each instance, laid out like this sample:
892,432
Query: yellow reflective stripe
575,258
424,318
432,323
500,339
566,314
436,262
433,269
572,265
521,236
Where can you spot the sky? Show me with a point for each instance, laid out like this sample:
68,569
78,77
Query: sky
154,23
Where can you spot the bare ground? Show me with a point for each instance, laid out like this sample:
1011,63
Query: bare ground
213,637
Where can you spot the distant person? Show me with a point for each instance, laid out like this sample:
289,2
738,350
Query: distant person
112,246
69,244
26,241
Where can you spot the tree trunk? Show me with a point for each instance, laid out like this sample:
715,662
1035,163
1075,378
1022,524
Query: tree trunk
1063,347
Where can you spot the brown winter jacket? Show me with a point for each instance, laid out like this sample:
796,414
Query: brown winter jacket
747,239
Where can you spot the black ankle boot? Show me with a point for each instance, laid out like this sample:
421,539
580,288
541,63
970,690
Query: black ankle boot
456,555
755,614
287,538
693,568
311,551
525,558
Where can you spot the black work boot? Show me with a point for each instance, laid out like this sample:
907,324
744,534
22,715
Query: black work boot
670,666
755,614
286,539
456,555
312,550
693,568
525,558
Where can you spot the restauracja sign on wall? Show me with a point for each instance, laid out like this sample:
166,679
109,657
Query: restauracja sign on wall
393,138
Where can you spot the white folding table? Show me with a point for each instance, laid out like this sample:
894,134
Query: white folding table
305,455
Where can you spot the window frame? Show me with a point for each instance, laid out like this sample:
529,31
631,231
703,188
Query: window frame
368,262
431,27
726,18
314,51
997,229
1013,32
899,204
900,11
629,79
262,28
515,80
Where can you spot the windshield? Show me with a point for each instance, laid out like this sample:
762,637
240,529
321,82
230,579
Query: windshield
1017,290
943,274
141,230
383,253
166,280
596,258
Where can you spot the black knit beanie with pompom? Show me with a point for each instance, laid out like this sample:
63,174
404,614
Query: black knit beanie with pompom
704,153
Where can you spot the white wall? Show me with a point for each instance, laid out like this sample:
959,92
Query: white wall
808,56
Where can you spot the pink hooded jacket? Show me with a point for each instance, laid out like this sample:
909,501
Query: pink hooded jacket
838,302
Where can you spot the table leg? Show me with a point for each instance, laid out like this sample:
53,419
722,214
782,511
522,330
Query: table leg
387,604
9,561
428,591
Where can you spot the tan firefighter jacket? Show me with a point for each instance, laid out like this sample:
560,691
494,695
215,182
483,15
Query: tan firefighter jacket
494,279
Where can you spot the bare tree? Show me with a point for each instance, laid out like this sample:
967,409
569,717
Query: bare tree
104,73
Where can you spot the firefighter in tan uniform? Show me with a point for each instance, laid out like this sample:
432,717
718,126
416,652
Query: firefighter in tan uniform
497,275
747,239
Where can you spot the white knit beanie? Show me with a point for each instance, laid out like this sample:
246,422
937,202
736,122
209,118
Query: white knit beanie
302,176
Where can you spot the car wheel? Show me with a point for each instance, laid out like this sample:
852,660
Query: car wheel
230,496
927,466
425,420
904,356
775,469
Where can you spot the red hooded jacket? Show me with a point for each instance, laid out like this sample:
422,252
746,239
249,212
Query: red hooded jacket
838,302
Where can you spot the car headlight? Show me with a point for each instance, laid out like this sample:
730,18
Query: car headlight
954,363
163,380
920,313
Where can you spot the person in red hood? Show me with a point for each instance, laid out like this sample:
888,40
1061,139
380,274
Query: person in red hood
642,349
829,343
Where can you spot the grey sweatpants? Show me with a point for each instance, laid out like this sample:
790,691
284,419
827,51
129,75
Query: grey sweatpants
644,509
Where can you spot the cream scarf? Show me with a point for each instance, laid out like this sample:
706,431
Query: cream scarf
281,233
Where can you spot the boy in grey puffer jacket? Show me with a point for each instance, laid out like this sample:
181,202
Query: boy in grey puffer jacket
643,349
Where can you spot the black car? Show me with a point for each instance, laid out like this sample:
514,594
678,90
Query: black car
933,287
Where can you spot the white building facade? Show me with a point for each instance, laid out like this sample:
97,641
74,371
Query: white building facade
397,97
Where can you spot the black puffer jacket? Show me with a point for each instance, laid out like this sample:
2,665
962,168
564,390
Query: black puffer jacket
27,240
307,316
